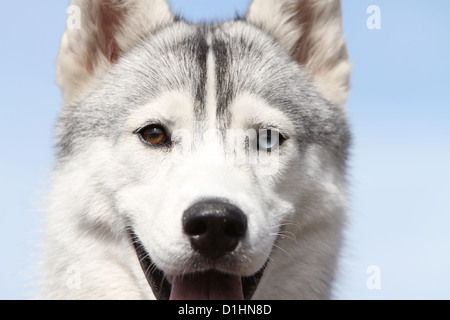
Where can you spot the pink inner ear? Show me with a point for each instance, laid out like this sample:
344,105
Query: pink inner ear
303,47
112,51
110,19
104,42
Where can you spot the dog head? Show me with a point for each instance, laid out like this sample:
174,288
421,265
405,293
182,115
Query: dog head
215,152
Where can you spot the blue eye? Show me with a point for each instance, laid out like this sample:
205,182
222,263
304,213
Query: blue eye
269,139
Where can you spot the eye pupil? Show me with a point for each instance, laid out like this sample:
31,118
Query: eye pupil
154,135
270,139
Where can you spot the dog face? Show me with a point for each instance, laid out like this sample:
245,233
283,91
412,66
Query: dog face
211,148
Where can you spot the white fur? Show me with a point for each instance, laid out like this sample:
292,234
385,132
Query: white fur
109,184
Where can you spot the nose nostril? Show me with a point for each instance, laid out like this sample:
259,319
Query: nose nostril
196,227
234,228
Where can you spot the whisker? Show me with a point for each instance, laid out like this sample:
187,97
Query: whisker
285,235
284,251
287,224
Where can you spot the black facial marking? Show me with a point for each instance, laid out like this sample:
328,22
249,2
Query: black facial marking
224,90
201,49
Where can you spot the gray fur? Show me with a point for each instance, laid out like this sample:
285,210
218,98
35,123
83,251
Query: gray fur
175,59
134,64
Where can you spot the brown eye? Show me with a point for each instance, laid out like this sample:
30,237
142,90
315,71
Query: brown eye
154,135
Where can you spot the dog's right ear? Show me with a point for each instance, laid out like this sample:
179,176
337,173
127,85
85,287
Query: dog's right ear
311,32
106,30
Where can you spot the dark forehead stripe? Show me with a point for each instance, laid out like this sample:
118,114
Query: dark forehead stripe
224,91
236,58
201,49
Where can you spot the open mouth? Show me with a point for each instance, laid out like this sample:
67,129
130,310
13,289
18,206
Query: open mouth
208,285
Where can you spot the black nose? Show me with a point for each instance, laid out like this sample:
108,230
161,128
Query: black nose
214,227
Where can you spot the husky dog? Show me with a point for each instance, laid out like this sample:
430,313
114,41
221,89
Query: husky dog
199,161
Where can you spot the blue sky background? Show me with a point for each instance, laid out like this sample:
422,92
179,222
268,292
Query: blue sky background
399,109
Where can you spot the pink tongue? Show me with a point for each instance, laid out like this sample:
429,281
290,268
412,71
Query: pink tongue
210,285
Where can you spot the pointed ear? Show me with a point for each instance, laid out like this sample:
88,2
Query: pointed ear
106,29
311,31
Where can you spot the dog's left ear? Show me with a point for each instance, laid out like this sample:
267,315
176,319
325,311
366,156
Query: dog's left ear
106,29
311,31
